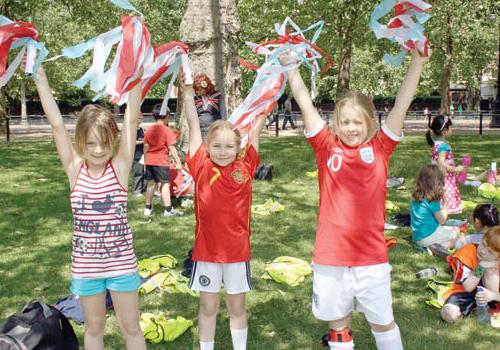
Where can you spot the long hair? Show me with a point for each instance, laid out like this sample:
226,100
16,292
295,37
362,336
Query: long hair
439,124
487,214
200,79
429,184
101,120
492,238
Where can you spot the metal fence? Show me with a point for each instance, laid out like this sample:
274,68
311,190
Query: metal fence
36,127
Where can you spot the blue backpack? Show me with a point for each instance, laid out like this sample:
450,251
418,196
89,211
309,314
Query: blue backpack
38,326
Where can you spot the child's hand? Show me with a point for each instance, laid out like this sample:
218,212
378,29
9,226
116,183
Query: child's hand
288,58
485,296
419,57
459,169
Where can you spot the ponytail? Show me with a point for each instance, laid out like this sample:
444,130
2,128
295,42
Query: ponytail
428,137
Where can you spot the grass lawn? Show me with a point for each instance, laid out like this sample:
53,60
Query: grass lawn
36,226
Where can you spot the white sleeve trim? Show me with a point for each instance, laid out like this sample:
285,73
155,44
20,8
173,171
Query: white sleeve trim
391,135
312,133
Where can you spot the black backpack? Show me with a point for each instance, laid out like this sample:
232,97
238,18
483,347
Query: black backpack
264,172
38,326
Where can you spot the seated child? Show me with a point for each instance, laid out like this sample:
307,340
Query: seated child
484,216
428,215
473,266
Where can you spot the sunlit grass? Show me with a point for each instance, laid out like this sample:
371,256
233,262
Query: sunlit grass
36,225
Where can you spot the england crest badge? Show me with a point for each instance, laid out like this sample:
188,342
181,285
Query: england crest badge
367,154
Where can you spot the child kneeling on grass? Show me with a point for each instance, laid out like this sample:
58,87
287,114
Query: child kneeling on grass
473,266
428,216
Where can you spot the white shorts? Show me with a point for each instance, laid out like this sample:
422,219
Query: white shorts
337,288
442,235
208,277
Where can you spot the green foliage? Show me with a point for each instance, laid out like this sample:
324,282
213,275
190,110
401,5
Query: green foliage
474,30
36,226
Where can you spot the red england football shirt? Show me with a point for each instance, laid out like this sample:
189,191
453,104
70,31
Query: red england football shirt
158,138
352,187
223,198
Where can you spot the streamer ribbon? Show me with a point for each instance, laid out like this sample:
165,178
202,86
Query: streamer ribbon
402,28
270,82
23,35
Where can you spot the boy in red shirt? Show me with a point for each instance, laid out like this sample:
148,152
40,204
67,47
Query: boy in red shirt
159,142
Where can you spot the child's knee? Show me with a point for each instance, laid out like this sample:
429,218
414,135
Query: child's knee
209,308
130,328
95,327
450,313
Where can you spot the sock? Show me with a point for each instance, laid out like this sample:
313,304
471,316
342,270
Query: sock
207,345
149,206
168,208
239,337
339,346
390,340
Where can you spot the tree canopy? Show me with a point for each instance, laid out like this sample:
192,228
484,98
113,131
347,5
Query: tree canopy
472,29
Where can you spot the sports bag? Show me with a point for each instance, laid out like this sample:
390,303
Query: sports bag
38,326
264,172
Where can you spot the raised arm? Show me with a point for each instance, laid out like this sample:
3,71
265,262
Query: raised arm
406,92
193,122
255,133
67,153
123,159
312,119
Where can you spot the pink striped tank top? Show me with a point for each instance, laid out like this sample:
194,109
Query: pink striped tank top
102,239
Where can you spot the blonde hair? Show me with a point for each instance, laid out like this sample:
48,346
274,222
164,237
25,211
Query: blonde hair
361,103
492,238
99,119
223,126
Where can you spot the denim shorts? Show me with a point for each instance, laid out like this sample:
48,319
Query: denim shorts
92,286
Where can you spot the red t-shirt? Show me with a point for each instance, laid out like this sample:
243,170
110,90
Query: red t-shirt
223,198
352,187
158,138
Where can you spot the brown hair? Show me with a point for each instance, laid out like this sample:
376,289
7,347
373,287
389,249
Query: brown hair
210,89
492,238
487,214
363,104
223,126
101,120
429,184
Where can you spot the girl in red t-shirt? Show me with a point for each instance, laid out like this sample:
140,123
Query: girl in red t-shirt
223,176
350,256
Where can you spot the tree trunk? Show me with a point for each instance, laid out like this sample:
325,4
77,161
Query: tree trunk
345,54
447,67
211,29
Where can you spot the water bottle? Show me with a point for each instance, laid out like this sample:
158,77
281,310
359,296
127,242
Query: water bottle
427,273
483,311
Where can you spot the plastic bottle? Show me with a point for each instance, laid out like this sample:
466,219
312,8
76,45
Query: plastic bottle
492,173
427,273
483,311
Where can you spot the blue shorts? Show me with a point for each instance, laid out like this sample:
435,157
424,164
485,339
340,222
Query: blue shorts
85,287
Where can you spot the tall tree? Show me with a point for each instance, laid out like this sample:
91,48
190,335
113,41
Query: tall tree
211,29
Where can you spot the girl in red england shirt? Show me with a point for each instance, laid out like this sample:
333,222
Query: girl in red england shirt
350,258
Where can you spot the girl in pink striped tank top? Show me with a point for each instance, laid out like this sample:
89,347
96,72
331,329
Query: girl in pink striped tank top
102,254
